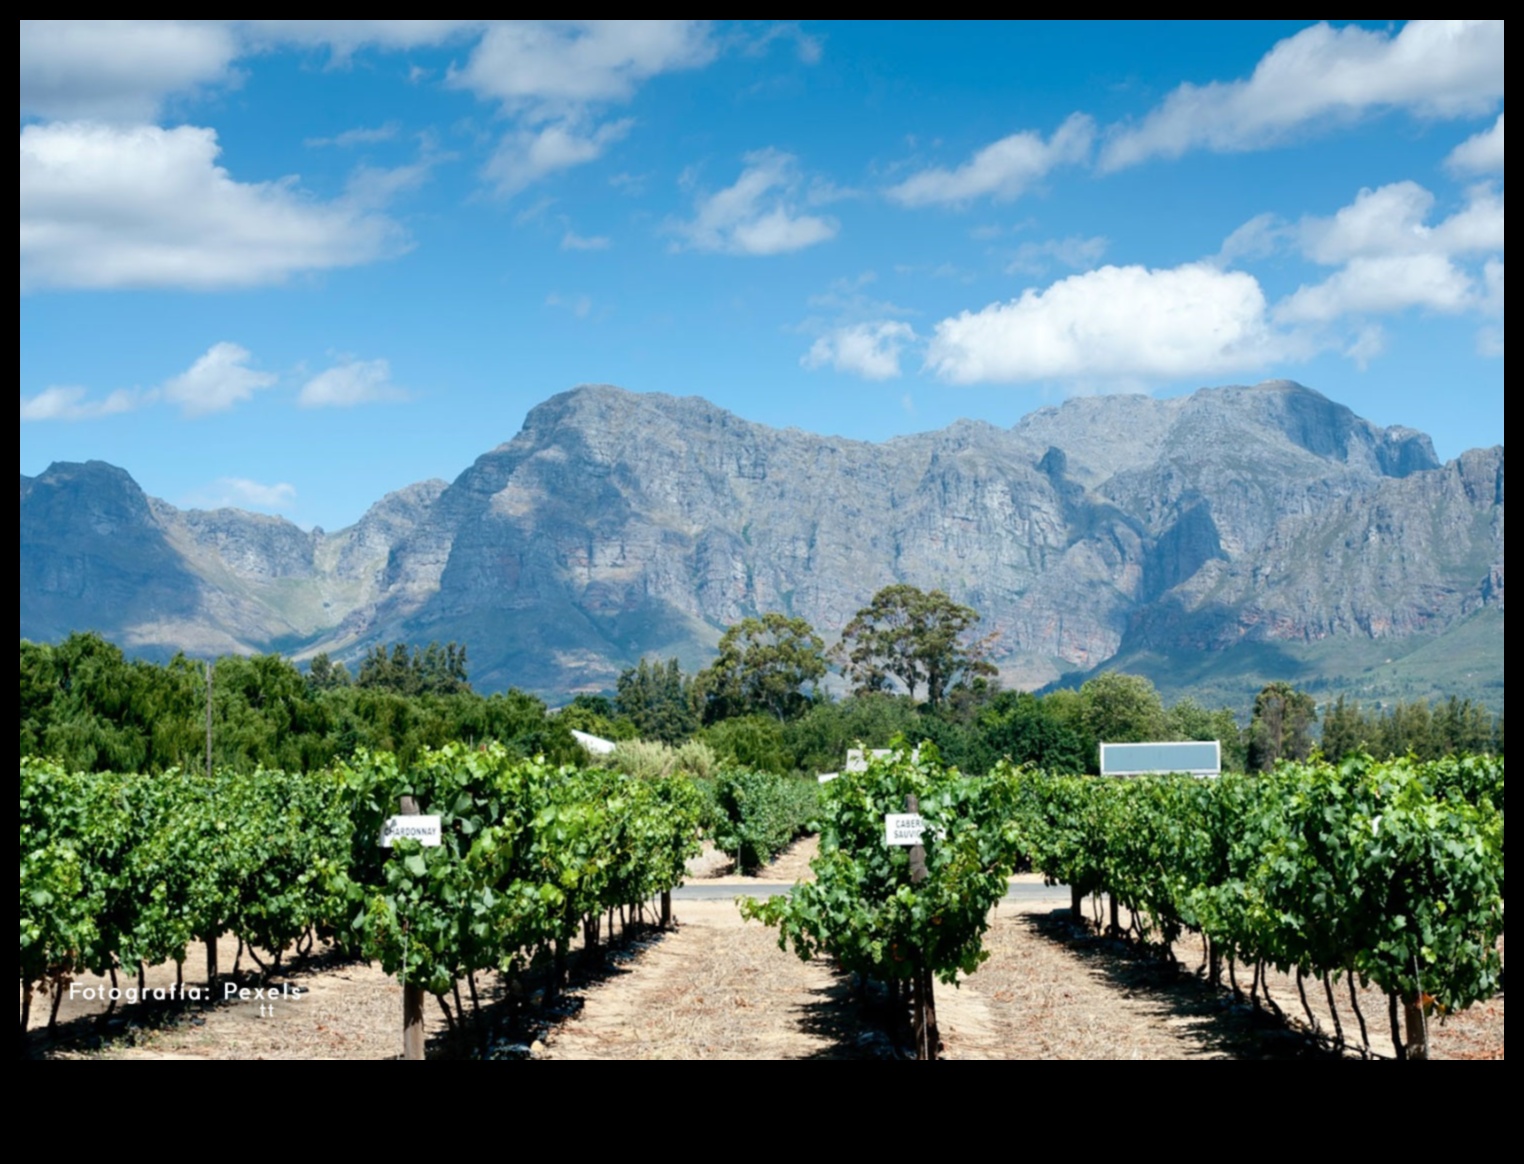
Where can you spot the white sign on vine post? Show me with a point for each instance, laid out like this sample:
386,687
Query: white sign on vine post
903,828
423,829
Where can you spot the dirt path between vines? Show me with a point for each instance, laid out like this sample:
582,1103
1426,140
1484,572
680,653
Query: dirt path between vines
719,988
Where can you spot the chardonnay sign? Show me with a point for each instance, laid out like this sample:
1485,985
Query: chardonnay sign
423,829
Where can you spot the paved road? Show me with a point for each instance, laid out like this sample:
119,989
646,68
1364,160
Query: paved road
727,891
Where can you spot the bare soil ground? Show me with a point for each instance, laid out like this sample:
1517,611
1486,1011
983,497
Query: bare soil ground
716,987
1070,993
345,1010
791,865
1279,1029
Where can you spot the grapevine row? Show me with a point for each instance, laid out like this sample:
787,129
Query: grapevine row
121,871
1383,873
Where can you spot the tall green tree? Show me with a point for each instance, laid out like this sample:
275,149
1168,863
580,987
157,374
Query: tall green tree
1462,728
436,670
1123,709
764,667
915,637
1347,728
1025,729
323,674
658,699
1282,725
1407,728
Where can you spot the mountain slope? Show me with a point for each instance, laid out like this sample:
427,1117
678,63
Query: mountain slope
616,525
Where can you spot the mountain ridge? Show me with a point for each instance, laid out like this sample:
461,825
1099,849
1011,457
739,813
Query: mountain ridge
615,525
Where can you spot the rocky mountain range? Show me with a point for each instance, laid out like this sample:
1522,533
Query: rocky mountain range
1222,534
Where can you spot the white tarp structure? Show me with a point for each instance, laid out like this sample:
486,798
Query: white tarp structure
594,745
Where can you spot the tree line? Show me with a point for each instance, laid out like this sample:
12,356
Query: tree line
86,705
914,661
759,703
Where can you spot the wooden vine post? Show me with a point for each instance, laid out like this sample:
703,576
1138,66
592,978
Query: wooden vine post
211,936
412,993
927,1037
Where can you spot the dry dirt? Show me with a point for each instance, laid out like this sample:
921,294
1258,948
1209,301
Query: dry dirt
716,987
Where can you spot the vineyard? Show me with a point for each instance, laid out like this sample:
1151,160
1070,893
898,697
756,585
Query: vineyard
1387,874
126,871
1338,883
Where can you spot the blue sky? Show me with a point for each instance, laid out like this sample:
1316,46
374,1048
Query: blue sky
291,266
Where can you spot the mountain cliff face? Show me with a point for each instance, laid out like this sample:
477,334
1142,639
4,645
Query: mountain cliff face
99,554
616,525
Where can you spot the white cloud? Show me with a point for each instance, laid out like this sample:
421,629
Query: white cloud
117,70
345,37
1003,170
1391,258
552,67
149,207
572,241
1381,283
807,48
1391,220
540,72
1075,252
551,76
859,333
1369,342
61,402
350,383
1475,228
525,156
373,187
535,211
236,491
1123,323
123,70
1492,277
1489,340
759,214
1258,238
1381,221
869,350
1480,154
810,49
361,135
217,381
1322,75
